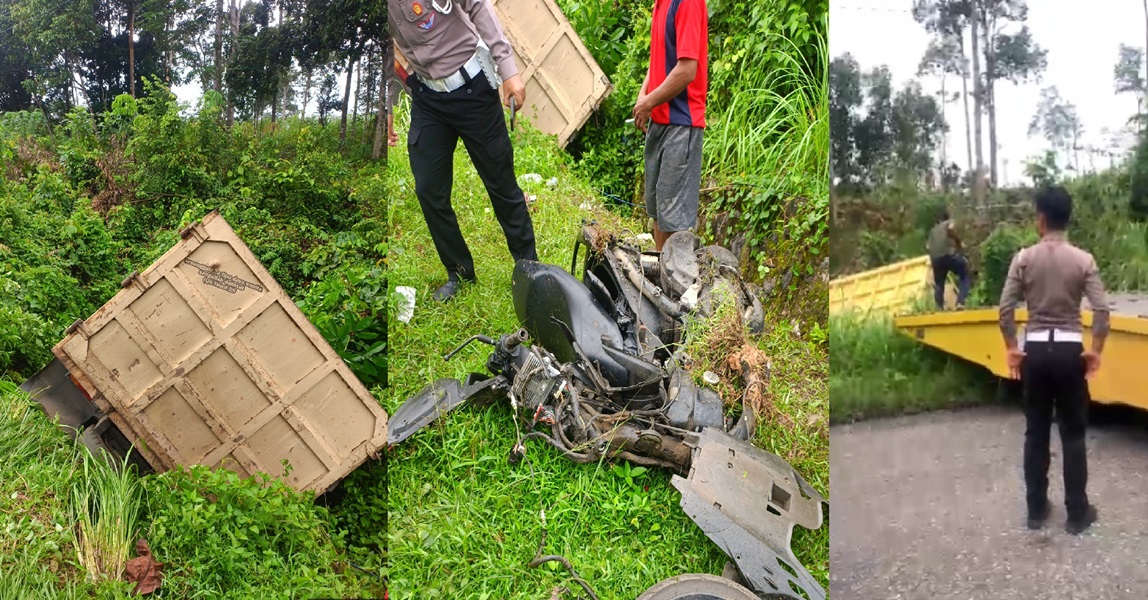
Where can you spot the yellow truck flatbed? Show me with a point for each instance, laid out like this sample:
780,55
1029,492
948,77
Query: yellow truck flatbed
974,335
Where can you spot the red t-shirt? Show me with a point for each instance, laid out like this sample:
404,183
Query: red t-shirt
680,30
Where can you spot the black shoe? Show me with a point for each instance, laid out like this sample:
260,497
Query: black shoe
1036,520
1077,526
446,291
449,289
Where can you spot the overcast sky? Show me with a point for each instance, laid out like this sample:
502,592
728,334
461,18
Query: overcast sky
1082,40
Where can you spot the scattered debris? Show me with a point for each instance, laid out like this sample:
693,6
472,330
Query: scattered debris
531,177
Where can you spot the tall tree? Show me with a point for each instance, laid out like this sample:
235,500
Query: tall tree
874,133
1128,78
344,28
978,106
845,98
917,125
1013,57
954,18
217,65
944,56
1057,121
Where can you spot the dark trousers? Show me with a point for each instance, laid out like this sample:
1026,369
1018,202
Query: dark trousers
474,114
1053,377
942,266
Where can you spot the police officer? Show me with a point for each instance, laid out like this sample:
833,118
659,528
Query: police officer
457,52
944,253
1051,277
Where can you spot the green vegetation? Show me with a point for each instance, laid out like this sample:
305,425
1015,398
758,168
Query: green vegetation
458,509
876,371
97,196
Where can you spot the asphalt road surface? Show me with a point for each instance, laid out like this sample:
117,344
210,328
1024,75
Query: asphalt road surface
932,507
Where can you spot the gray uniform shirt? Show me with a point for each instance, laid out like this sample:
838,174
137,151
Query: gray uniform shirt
1052,277
438,45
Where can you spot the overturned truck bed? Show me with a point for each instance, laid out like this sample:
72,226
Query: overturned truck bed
204,359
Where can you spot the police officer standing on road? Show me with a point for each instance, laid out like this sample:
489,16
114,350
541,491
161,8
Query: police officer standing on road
458,53
1051,362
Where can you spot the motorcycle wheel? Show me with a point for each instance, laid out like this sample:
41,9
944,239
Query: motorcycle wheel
697,586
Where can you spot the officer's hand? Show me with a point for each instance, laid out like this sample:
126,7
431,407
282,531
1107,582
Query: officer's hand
641,112
515,89
392,135
1091,363
1014,357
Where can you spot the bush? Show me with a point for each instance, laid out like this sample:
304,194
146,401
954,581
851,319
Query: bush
874,370
253,537
997,252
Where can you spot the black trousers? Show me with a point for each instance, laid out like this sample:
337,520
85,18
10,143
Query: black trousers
1053,378
942,266
474,114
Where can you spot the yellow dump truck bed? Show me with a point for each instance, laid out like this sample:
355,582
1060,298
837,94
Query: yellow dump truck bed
974,335
892,289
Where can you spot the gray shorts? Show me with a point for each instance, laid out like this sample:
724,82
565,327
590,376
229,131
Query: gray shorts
673,175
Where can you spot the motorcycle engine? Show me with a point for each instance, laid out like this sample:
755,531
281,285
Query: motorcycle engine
536,381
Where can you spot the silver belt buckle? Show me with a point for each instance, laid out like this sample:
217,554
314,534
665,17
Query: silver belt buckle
455,80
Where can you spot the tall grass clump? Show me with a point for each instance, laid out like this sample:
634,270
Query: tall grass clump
106,503
876,371
778,123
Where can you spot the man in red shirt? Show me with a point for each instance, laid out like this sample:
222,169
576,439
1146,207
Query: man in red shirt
671,110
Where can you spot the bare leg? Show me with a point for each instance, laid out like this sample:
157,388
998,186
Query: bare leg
660,236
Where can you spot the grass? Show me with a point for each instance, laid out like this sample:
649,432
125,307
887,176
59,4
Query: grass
458,509
106,502
788,132
37,534
876,371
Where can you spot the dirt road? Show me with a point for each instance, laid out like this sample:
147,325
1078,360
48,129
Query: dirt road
932,507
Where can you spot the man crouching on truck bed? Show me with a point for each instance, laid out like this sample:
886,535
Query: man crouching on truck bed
673,97
458,55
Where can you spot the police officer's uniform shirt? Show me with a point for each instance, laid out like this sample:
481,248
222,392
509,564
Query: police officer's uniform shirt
1052,277
439,36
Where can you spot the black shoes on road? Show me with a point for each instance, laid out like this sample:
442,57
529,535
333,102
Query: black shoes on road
1077,526
1073,526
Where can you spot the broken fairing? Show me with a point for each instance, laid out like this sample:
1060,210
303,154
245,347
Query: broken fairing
603,379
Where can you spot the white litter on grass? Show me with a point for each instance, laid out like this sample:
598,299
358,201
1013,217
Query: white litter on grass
407,306
532,178
552,182
711,378
586,206
644,237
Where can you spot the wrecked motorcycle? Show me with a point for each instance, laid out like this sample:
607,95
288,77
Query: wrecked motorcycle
604,377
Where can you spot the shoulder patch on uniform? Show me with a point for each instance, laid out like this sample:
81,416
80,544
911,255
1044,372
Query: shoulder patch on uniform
418,9
427,24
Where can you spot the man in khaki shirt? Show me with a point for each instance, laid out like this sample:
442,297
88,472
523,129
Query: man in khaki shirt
1052,277
458,53
944,248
